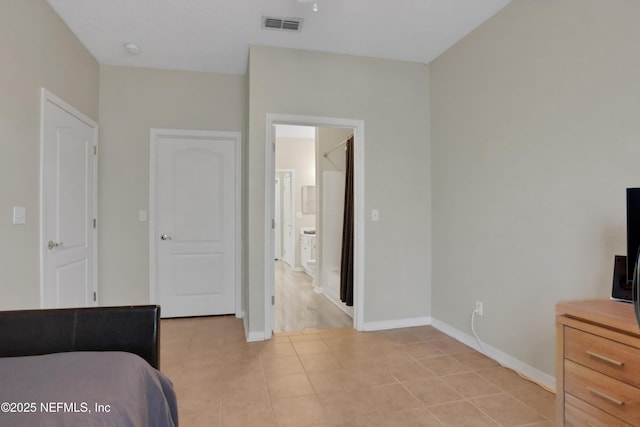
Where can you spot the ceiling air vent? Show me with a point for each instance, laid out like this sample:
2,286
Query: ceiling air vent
290,24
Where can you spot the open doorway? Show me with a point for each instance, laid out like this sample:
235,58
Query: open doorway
352,127
309,198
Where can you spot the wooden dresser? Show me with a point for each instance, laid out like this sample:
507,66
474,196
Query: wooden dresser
598,364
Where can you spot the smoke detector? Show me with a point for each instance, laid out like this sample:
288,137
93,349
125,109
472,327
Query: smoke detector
315,4
131,48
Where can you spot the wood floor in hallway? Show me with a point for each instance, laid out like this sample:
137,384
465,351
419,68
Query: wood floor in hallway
299,307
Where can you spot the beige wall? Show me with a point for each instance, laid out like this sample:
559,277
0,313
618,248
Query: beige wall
535,136
391,97
37,50
133,100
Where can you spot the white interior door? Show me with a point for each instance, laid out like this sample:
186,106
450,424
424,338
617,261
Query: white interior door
278,222
288,225
68,206
196,222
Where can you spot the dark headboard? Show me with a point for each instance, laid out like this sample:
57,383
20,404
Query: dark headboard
134,329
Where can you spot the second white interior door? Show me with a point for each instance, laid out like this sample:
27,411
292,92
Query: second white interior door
196,223
288,226
68,205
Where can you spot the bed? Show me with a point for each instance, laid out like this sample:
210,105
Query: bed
84,367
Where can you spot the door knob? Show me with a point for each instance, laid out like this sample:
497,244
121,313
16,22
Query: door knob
165,237
52,245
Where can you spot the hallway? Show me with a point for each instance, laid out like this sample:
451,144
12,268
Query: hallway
298,307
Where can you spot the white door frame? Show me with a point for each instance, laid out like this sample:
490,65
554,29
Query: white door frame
359,212
46,96
155,135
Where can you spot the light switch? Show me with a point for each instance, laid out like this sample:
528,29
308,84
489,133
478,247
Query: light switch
19,215
142,216
375,215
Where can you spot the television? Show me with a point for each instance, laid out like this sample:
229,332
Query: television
624,266
633,230
633,244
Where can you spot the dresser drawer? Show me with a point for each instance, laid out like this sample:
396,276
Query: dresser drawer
610,395
603,355
578,413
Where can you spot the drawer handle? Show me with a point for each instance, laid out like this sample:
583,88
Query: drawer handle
606,396
605,358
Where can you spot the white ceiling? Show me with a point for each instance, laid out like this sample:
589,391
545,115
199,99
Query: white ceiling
214,35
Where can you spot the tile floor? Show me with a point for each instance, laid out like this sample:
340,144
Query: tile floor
341,377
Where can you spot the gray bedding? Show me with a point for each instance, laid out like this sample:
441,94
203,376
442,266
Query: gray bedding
91,389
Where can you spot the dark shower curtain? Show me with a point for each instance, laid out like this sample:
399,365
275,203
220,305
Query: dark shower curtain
346,269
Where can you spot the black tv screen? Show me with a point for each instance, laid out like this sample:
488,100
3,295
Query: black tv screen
633,230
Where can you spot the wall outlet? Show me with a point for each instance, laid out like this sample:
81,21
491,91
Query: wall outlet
479,308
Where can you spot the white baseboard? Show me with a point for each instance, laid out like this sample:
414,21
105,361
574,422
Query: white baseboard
499,356
398,323
252,336
336,301
255,336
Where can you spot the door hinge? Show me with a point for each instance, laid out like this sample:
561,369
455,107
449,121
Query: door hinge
95,297
273,223
274,146
273,299
95,150
95,223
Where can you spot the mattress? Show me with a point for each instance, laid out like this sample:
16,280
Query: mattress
91,389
